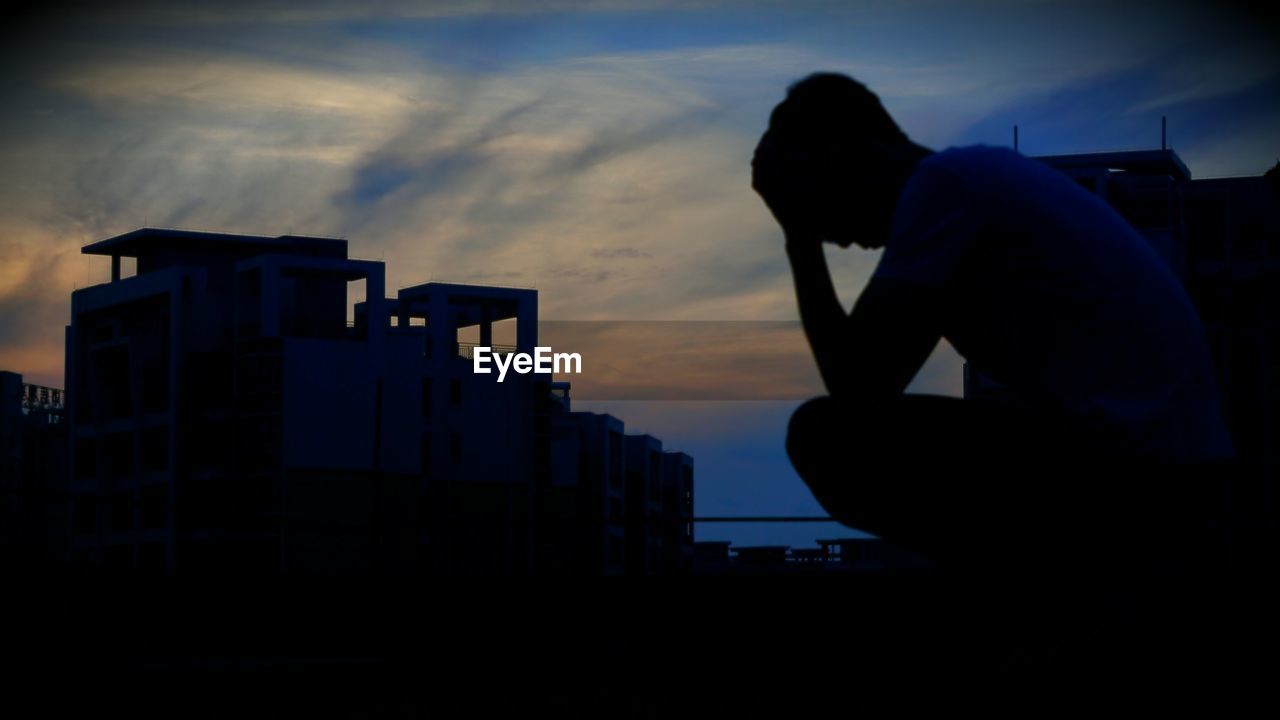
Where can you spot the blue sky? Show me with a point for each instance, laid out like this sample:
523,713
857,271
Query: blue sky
597,151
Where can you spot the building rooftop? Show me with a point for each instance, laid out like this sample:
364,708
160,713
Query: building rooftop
148,241
1140,162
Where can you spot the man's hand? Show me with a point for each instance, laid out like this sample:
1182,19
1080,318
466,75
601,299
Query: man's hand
778,177
873,352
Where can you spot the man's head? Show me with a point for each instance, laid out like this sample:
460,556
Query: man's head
838,157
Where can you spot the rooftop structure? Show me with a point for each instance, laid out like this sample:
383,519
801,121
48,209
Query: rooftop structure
258,404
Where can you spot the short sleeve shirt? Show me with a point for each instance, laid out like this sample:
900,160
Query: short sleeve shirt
1054,295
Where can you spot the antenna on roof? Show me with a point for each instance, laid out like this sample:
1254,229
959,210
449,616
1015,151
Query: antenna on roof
1015,137
1163,132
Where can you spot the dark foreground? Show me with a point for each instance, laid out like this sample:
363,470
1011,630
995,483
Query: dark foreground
749,646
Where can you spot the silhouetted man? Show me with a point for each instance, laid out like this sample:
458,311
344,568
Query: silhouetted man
1040,285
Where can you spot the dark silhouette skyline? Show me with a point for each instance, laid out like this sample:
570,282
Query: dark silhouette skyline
598,153
905,622
234,413
1211,222
252,121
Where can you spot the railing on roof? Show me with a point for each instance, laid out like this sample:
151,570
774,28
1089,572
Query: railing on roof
465,283
39,397
467,349
766,518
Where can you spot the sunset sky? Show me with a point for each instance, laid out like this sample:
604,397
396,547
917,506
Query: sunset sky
598,151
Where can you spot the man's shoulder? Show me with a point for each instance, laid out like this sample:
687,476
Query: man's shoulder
961,172
993,175
967,160
956,176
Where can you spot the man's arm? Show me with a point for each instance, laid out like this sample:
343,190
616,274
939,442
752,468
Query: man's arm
872,353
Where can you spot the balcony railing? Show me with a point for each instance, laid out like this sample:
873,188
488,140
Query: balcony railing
39,397
465,350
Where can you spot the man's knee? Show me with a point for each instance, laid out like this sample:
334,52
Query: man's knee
828,446
805,431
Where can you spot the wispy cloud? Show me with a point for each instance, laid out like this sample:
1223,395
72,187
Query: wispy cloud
596,150
293,13
606,166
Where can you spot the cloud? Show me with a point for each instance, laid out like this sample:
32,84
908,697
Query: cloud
294,13
1122,110
534,170
606,168
597,150
33,309
625,253
615,188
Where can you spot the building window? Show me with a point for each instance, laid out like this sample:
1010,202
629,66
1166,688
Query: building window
542,461
82,559
120,511
154,375
155,502
1206,218
86,457
615,552
193,506
84,515
112,381
655,479
151,558
155,448
118,454
615,459
117,557
102,330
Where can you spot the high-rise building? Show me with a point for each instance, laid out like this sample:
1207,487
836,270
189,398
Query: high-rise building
33,476
1221,237
644,504
257,404
588,494
677,513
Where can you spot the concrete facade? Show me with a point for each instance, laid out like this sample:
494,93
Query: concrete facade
237,406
